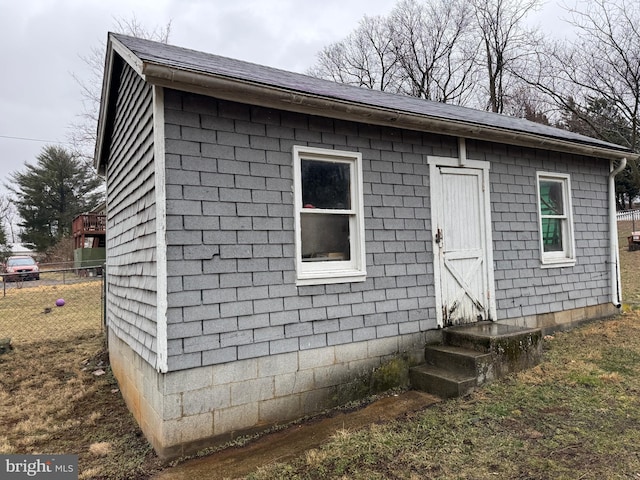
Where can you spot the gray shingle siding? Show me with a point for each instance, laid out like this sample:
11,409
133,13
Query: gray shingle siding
231,237
240,291
131,239
522,287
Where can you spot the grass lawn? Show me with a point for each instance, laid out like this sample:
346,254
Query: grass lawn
30,314
57,393
630,265
576,415
52,401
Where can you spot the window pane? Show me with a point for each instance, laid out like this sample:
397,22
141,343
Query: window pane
551,202
325,185
552,234
325,237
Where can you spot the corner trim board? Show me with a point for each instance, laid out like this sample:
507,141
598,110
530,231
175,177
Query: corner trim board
162,365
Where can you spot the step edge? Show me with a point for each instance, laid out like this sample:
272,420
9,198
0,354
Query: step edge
443,374
458,351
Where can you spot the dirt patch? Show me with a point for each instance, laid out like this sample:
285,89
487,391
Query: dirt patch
584,393
54,399
296,440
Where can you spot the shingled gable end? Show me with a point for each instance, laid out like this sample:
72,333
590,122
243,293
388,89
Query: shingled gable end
273,238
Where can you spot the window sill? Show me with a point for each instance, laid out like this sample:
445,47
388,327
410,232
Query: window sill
331,278
565,262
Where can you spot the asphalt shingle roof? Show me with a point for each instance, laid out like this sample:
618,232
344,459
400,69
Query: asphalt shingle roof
209,64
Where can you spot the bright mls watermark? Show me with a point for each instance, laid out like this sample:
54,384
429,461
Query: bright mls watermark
49,467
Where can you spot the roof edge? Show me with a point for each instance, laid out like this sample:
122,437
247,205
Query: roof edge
114,46
269,96
104,106
284,98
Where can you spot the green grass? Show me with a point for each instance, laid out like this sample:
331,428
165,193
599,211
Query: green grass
629,266
30,314
576,415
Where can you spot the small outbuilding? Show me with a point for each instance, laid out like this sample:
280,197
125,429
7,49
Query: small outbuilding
89,233
273,238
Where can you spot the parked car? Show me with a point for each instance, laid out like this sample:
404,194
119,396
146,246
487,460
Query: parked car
21,267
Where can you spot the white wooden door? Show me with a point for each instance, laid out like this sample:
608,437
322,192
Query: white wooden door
463,260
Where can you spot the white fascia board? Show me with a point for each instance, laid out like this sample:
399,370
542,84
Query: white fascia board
104,107
127,55
113,47
279,98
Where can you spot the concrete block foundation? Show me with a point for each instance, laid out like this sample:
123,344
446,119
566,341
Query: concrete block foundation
565,319
183,411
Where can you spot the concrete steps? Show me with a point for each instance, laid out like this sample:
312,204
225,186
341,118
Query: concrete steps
472,355
441,382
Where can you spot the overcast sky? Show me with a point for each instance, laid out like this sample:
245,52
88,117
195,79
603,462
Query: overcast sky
41,42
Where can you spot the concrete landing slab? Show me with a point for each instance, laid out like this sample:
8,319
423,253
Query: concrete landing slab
491,329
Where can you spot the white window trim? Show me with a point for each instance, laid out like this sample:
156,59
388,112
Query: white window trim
567,257
319,273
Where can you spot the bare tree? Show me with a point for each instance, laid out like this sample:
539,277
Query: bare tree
82,133
430,49
432,42
601,64
507,46
8,217
527,102
593,79
365,58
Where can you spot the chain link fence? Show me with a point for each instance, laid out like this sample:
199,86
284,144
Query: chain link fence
59,304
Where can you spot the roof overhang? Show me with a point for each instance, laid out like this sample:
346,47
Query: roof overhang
269,96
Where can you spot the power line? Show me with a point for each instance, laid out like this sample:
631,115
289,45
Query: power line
34,140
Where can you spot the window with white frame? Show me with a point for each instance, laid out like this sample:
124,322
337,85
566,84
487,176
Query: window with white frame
329,216
555,219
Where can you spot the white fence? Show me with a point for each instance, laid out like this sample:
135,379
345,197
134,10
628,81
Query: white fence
628,216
